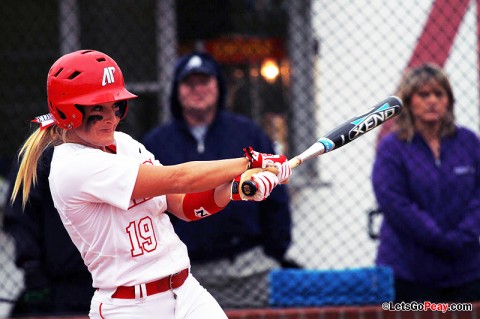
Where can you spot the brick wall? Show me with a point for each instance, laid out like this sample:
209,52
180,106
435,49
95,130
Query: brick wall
370,312
365,312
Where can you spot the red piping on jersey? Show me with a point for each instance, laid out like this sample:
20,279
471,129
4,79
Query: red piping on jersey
100,310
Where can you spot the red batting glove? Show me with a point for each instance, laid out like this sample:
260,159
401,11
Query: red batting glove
284,172
264,160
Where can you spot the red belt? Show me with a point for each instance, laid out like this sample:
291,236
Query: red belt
154,287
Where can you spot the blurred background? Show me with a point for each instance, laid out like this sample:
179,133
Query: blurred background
298,68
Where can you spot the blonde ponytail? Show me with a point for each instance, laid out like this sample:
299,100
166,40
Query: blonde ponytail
29,155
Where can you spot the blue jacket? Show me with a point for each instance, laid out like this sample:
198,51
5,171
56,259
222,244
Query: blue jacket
431,227
241,225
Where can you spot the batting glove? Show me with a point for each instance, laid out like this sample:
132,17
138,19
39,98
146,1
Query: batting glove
264,160
253,185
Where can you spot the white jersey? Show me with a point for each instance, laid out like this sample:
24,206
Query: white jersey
122,242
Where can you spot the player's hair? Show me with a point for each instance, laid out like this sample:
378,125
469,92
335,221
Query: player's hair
411,82
29,155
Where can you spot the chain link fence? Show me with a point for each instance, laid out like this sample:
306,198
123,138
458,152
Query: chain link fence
335,59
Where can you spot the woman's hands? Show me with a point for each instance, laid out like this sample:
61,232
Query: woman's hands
264,160
254,184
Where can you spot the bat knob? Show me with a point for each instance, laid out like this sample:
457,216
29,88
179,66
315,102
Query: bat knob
249,188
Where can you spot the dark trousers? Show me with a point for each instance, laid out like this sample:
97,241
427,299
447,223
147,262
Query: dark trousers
411,291
60,298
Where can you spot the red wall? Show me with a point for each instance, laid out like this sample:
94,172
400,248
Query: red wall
374,312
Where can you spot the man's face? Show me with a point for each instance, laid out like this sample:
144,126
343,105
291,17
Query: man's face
198,93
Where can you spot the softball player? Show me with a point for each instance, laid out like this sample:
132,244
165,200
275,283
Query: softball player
112,194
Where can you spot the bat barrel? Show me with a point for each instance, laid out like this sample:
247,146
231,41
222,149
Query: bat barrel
351,129
363,123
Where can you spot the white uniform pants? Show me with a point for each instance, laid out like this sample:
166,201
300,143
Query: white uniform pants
190,301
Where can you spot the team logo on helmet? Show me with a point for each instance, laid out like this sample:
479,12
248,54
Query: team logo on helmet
108,75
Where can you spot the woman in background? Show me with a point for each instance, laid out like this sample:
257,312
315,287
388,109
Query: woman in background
426,179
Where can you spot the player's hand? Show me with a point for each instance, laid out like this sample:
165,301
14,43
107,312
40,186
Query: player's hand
254,184
284,172
264,160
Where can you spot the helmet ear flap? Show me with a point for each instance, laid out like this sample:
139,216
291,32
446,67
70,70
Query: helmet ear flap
67,117
123,108
56,112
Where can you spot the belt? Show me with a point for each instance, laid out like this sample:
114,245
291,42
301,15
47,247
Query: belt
154,287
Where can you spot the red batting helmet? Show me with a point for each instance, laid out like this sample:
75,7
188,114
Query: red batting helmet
85,77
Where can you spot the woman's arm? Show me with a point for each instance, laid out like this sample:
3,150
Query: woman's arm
175,201
187,177
195,206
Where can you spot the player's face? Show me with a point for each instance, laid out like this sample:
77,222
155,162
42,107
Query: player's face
198,93
98,126
430,104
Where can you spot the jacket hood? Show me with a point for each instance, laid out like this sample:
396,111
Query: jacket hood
196,62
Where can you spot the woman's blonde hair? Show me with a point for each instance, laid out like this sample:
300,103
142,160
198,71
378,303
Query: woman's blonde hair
29,155
411,82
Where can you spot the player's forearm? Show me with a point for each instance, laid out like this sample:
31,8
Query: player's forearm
221,198
187,177
222,194
193,177
195,206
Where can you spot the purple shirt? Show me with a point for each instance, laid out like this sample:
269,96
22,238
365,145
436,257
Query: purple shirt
431,227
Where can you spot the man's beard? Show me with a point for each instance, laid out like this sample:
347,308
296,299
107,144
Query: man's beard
199,115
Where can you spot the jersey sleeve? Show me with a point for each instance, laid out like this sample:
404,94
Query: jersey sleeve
90,175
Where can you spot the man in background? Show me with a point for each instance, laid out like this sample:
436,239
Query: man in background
231,253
